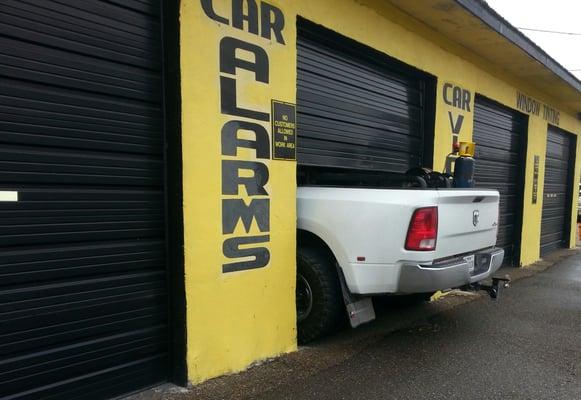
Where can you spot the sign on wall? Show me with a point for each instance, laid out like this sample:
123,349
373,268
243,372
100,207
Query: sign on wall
284,138
246,198
535,178
533,106
239,200
460,101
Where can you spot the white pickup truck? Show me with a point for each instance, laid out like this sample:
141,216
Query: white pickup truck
359,242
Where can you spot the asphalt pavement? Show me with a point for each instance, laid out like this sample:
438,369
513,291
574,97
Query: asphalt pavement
526,345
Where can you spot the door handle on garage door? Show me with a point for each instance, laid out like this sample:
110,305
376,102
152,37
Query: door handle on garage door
8,195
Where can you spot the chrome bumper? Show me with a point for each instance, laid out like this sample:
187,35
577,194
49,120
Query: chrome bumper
449,274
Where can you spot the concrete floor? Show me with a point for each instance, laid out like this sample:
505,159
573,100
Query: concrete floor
527,345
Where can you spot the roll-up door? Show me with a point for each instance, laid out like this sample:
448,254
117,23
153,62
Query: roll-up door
557,192
83,294
499,134
357,109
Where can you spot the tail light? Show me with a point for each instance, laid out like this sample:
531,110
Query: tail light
423,230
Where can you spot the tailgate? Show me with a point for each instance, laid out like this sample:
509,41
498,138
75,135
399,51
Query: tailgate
467,221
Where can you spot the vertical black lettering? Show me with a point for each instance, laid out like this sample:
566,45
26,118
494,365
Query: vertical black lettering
270,25
238,16
231,142
209,11
229,104
446,90
457,97
520,101
456,126
234,210
455,139
231,249
466,99
254,185
229,62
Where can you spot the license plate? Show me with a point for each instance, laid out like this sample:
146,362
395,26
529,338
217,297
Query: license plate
470,261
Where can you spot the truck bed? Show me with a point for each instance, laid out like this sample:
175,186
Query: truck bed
366,228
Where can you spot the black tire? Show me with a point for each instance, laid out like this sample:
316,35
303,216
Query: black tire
317,269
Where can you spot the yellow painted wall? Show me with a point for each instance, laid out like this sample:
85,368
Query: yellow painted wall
233,318
236,318
575,198
385,28
531,232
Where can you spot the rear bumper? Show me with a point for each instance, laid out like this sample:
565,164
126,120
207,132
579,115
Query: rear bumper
414,278
449,274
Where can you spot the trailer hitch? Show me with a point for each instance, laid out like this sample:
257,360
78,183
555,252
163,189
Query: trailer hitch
493,290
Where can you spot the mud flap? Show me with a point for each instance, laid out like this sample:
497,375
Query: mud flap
359,308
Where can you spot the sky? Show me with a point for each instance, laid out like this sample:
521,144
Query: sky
553,15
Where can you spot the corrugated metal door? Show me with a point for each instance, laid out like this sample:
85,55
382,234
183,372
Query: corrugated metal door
354,110
499,134
83,298
557,192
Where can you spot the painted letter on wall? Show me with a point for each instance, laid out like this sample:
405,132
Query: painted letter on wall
239,201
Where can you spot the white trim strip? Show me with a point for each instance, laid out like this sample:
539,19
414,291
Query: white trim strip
6,195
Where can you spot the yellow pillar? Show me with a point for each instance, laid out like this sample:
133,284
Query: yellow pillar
239,203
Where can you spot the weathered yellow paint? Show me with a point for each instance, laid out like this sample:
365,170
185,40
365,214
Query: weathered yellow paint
383,27
443,132
531,232
236,319
575,197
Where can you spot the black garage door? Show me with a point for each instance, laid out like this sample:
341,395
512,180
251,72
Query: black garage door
559,161
83,307
499,134
357,109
